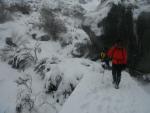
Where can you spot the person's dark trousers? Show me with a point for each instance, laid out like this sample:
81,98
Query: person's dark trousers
116,73
107,63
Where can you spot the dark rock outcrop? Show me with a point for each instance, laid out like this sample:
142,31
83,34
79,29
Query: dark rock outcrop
143,32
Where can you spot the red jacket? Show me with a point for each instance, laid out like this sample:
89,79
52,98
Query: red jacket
118,55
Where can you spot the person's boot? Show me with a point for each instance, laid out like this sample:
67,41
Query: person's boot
116,86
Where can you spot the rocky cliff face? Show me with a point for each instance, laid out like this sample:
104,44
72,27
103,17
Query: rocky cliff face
122,19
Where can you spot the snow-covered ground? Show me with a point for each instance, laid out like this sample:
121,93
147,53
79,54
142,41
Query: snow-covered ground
96,94
8,88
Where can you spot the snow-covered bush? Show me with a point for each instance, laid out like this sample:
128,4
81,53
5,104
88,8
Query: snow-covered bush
25,103
44,66
10,42
41,68
59,85
18,58
51,23
4,13
19,55
81,49
67,40
22,59
76,11
6,9
21,6
54,80
7,53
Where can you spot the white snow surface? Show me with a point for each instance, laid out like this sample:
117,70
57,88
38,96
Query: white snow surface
96,94
8,88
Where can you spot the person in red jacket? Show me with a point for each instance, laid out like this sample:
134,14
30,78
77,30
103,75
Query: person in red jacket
118,54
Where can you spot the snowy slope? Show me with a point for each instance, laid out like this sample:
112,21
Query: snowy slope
95,94
8,88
